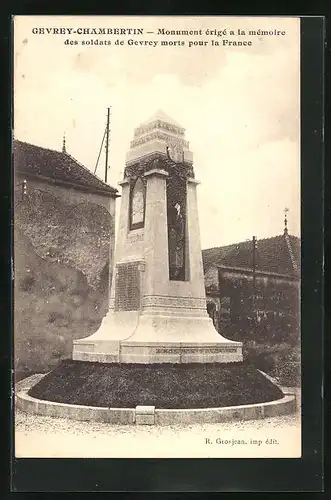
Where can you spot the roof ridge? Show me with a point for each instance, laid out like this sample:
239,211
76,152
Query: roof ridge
279,236
86,168
36,146
216,248
290,251
65,154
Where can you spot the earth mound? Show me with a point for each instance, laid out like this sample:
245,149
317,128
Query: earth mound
165,386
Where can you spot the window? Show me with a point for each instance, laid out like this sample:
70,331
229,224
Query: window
137,204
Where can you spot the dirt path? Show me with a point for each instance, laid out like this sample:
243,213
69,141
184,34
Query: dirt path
38,436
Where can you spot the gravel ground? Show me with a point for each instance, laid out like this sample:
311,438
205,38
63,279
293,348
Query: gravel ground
48,437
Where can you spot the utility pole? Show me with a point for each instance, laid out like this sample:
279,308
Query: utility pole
107,143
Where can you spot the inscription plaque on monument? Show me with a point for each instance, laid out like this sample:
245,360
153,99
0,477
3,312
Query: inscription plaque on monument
127,294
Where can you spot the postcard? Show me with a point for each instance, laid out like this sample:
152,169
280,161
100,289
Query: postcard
157,237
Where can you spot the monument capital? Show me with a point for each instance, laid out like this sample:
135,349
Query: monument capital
156,171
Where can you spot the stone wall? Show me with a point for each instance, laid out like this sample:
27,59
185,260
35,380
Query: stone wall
77,234
53,305
63,243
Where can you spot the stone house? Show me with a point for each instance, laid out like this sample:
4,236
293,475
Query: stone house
67,212
241,289
61,174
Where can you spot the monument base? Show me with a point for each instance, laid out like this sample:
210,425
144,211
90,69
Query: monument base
179,352
131,337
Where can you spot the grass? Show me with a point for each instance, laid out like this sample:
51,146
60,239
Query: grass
280,360
161,385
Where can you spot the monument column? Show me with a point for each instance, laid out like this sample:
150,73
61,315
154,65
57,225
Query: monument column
194,248
121,235
155,233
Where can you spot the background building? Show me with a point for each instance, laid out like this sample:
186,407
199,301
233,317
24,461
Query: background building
64,234
258,287
63,194
253,295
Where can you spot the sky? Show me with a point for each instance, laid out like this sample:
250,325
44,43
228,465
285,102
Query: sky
240,106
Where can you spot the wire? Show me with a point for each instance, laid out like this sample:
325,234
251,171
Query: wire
96,165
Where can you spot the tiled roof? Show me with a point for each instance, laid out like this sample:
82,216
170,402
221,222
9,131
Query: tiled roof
272,255
56,166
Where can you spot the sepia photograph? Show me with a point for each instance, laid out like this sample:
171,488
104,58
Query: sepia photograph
157,237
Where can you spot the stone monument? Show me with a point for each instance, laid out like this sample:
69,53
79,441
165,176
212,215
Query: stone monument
157,311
